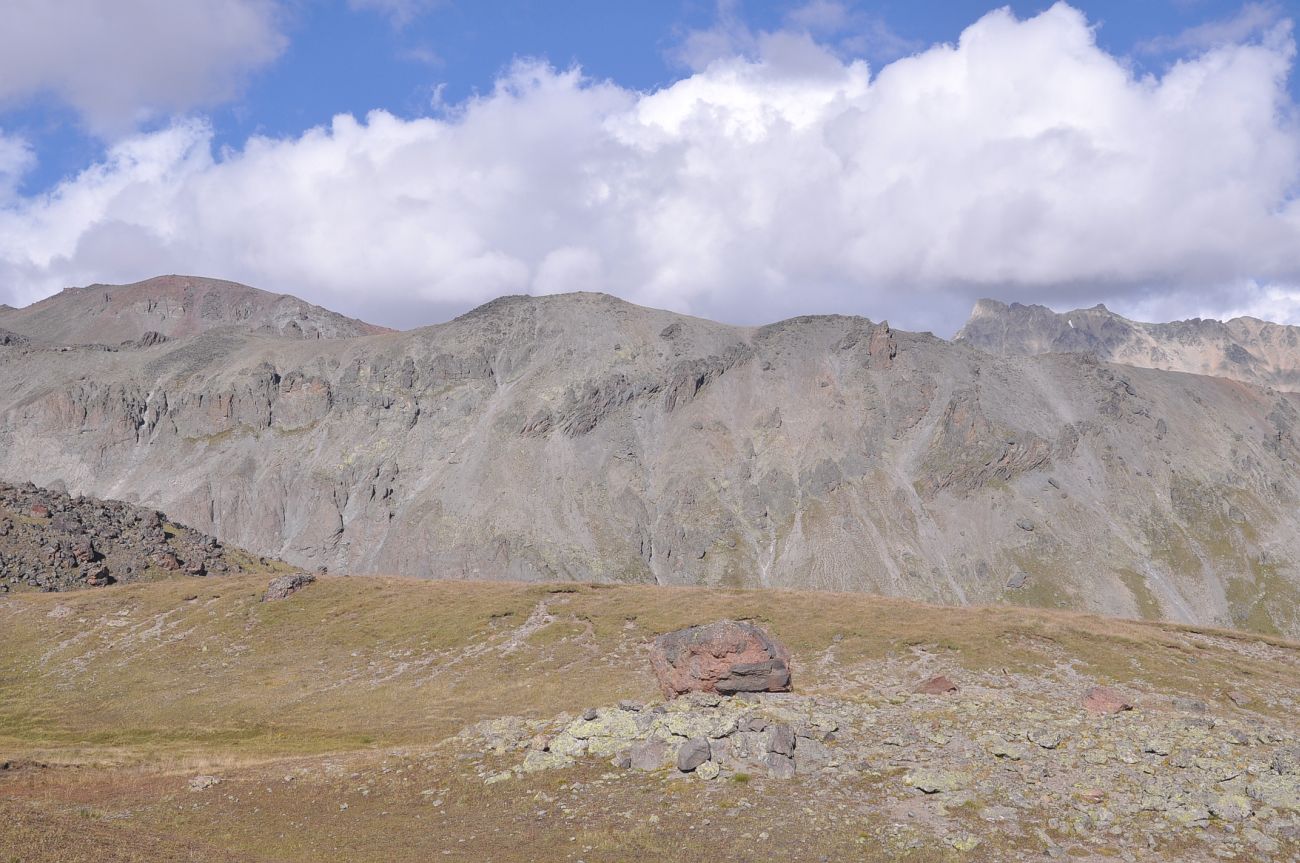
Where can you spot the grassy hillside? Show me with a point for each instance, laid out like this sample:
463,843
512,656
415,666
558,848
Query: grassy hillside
111,700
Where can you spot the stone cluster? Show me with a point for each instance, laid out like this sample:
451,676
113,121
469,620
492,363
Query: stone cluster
52,541
1088,761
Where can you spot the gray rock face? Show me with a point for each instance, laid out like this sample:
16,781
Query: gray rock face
564,437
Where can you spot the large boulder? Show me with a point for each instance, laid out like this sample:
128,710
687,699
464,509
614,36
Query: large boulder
724,657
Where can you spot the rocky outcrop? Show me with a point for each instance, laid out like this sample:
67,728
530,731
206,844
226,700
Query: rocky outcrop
51,541
286,585
1150,771
723,657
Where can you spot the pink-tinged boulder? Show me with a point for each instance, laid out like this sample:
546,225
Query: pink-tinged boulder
39,510
1102,700
724,657
937,685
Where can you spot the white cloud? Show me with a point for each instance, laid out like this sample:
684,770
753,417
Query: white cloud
1023,162
820,16
1250,21
399,12
16,159
123,62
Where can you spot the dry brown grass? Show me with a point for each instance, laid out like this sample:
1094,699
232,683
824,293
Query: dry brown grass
188,667
353,682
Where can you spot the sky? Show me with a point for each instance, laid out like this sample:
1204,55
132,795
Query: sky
403,161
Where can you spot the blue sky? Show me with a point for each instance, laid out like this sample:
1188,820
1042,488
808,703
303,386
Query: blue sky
110,150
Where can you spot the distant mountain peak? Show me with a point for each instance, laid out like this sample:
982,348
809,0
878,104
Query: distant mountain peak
1244,349
174,306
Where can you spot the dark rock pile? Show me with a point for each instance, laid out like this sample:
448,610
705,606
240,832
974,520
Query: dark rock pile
51,541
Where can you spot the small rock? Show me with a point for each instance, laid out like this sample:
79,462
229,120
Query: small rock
1018,581
1240,699
937,781
780,740
1047,738
1025,524
1157,746
1190,705
708,770
692,754
937,685
1000,748
780,766
1102,700
650,755
287,585
1230,807
535,761
1286,761
201,783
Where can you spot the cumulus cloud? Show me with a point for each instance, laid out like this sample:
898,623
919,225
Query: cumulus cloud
123,62
1022,162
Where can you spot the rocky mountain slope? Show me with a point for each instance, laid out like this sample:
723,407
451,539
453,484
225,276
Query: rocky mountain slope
1243,349
51,541
172,307
581,437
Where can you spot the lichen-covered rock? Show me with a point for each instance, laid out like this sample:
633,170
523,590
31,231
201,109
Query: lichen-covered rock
724,657
1278,791
565,743
535,761
936,781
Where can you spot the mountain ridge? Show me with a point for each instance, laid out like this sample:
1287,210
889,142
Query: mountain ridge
580,437
173,306
1242,348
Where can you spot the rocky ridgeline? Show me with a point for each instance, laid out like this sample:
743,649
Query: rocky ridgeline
1088,761
51,541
